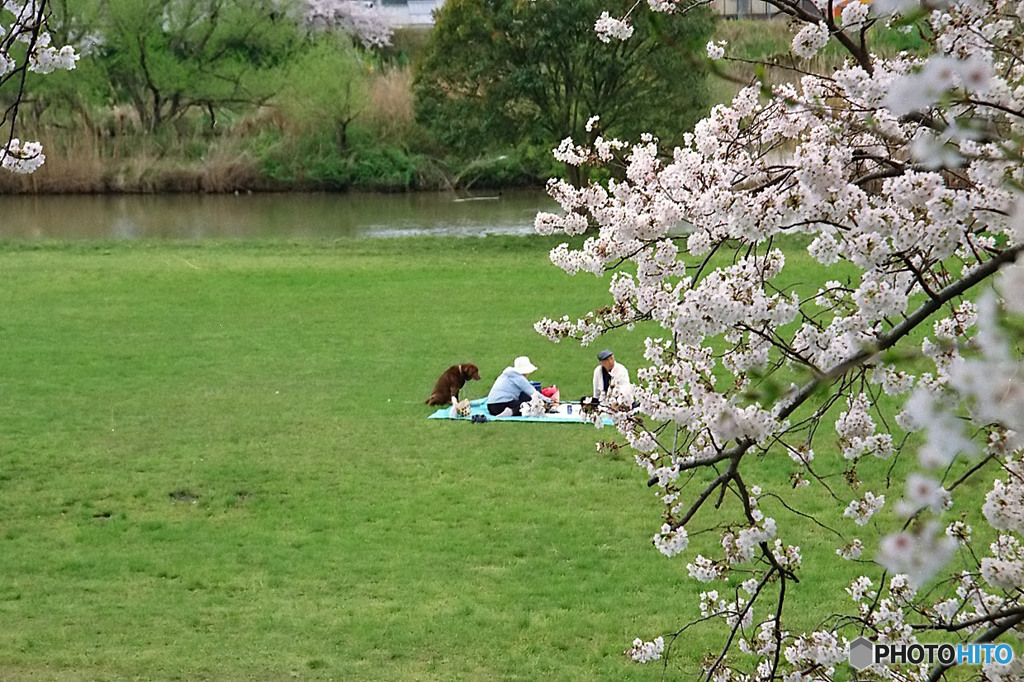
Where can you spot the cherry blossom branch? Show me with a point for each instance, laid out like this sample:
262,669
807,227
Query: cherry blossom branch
806,516
777,629
721,479
897,169
971,622
987,636
970,472
21,71
739,622
888,340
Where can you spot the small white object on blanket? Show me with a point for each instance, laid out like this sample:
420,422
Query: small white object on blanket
534,408
460,408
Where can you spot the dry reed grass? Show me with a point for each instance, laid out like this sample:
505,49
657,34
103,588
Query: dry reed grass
389,112
73,164
80,162
227,171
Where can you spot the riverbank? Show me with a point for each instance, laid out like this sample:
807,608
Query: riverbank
136,165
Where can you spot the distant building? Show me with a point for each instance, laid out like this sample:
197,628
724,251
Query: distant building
420,13
744,9
407,13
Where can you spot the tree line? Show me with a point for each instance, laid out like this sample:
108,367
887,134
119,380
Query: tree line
222,95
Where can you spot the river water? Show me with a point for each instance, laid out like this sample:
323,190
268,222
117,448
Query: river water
269,216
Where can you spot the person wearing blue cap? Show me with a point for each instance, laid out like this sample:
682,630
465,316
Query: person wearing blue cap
610,375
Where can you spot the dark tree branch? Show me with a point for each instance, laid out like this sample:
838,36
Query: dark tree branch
988,636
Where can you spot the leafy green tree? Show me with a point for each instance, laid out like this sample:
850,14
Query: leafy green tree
168,57
499,72
327,87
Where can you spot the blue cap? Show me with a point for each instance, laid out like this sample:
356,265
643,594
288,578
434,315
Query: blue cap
604,355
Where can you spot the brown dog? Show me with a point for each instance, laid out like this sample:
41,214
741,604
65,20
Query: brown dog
449,383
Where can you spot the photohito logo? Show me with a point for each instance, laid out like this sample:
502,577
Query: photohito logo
864,652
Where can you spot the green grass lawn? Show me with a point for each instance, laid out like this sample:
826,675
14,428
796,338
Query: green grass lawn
216,464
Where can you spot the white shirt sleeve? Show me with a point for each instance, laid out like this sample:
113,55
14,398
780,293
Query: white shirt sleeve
620,381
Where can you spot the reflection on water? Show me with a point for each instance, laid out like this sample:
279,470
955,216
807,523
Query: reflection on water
272,216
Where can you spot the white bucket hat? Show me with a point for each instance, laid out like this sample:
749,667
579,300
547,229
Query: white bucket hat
523,365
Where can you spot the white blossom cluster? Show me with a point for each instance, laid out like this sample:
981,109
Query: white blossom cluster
903,176
45,58
1004,570
809,41
671,541
924,492
818,652
22,158
645,652
714,606
534,407
764,642
851,551
862,510
856,431
608,27
355,17
662,5
23,21
1004,504
920,554
705,570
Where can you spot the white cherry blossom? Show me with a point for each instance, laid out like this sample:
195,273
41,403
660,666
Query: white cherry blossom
902,176
609,27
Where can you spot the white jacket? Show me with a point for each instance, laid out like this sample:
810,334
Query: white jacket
620,381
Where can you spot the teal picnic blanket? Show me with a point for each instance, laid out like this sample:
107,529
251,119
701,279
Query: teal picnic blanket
568,413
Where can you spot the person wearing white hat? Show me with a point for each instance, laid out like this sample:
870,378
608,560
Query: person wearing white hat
512,388
610,375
